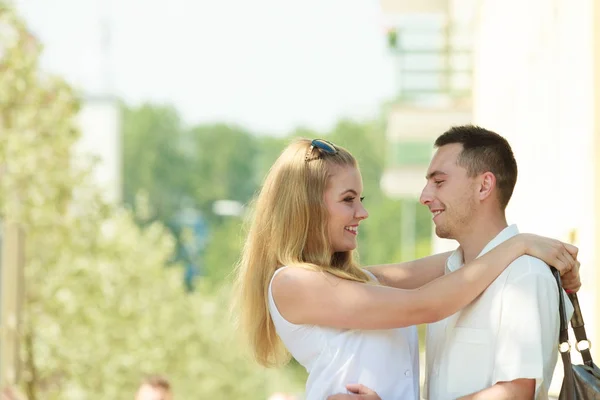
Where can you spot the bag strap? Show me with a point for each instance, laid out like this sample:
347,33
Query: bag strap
576,323
579,329
564,347
563,336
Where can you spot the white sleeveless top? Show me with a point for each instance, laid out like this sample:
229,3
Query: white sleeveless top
386,361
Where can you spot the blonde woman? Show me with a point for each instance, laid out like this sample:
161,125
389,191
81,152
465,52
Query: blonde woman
302,294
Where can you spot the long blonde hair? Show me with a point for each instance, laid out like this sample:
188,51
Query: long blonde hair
288,227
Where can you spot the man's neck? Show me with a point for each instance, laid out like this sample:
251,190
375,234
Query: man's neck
480,233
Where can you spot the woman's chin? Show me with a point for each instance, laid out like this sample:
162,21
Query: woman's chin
347,247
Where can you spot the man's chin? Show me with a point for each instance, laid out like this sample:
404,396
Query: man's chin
442,233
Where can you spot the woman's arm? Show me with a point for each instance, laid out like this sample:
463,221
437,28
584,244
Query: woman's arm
308,297
411,274
416,273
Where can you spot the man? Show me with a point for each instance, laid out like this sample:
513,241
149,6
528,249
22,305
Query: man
504,344
154,388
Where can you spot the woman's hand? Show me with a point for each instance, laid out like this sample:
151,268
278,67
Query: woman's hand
571,280
358,392
562,256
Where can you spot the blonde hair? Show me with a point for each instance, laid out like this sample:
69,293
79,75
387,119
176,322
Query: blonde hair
289,227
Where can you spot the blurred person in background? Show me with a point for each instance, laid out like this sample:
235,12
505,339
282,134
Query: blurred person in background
504,344
11,393
282,396
154,387
301,293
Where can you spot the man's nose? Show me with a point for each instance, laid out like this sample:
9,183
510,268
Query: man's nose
426,196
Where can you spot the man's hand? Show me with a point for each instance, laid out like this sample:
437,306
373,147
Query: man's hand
571,281
359,392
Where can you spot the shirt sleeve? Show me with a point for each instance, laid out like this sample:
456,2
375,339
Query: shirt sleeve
528,331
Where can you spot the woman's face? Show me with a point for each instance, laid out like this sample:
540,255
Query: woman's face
344,205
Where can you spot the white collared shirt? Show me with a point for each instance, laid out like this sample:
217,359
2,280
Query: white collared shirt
509,332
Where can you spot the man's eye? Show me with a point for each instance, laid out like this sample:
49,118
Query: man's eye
438,182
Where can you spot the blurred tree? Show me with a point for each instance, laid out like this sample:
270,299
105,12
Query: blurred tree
121,314
223,251
154,160
223,165
100,308
269,148
367,142
183,172
225,243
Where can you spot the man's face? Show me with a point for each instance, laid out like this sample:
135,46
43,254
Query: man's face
450,193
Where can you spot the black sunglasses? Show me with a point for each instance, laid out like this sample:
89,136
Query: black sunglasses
322,145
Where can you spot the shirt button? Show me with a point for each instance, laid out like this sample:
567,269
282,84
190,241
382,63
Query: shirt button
407,372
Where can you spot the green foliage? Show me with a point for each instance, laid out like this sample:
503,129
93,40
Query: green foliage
223,251
269,148
223,164
380,237
123,314
367,142
154,160
101,309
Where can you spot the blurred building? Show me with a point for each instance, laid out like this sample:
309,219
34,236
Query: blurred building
100,122
535,80
538,84
431,47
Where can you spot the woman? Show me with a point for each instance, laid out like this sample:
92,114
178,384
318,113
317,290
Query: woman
300,291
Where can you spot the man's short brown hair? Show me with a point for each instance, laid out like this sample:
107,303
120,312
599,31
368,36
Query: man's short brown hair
484,151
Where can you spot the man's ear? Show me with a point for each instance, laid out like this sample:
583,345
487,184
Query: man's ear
487,185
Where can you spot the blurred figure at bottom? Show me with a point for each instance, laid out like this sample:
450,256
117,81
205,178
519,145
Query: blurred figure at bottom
10,393
154,388
282,396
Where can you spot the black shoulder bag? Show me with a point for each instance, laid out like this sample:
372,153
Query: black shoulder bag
581,382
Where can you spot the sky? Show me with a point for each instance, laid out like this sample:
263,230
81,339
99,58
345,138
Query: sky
268,65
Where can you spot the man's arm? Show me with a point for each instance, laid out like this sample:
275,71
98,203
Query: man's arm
411,274
517,389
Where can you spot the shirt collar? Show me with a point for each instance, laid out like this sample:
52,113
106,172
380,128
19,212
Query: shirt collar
455,261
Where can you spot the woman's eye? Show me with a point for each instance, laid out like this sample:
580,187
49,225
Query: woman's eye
362,199
349,199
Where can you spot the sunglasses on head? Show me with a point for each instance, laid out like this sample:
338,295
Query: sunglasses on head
323,146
